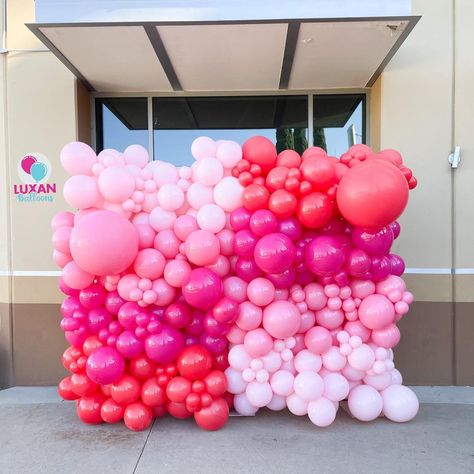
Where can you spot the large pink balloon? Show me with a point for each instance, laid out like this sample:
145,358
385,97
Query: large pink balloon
116,184
80,191
104,243
376,312
281,319
78,158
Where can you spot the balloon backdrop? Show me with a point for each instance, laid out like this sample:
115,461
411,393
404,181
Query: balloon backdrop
251,279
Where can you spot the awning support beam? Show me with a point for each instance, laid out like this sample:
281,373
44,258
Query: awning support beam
289,54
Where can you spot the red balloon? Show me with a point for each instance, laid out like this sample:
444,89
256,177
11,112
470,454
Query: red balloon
152,394
229,398
65,389
91,344
142,367
178,410
178,389
159,411
282,203
341,169
319,170
106,390
88,408
392,156
82,385
288,158
313,151
137,416
111,411
126,390
255,197
214,416
221,361
216,383
276,178
259,150
194,362
372,194
315,210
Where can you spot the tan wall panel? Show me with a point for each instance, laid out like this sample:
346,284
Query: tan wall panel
427,287
83,113
20,12
416,119
6,345
42,118
39,290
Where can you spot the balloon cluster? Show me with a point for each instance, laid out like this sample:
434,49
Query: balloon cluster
249,279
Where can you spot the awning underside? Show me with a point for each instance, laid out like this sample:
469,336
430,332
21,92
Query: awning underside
227,56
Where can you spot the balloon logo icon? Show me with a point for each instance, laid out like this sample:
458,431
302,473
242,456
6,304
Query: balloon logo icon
38,171
27,162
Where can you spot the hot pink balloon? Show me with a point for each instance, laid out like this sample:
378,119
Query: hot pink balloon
105,365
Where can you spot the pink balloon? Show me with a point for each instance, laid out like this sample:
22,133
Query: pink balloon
165,173
315,298
235,288
235,382
297,405
78,158
259,394
329,319
318,340
126,284
376,311
226,241
136,155
104,243
258,342
307,321
202,247
211,218
361,358
387,337
149,263
62,219
229,153
170,197
356,328
282,383
61,239
365,403
105,365
336,387
61,259
249,317
116,184
203,147
183,226
167,243
389,285
202,288
80,191
306,360
75,277
228,193
281,319
362,288
199,195
165,292
238,358
161,219
129,345
208,171
221,266
261,291
146,235
176,271
400,403
322,412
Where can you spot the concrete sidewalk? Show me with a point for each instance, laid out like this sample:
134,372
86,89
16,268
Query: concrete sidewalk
41,434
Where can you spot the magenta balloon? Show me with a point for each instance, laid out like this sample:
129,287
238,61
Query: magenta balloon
247,269
244,243
129,345
274,253
335,226
164,346
380,268
395,226
113,302
66,289
357,262
196,326
397,264
98,318
214,328
190,340
93,296
324,255
226,310
263,222
284,279
202,288
104,243
69,306
374,242
240,219
215,345
27,162
177,315
291,227
105,365
128,313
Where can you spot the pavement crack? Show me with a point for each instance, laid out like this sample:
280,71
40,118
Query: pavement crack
144,446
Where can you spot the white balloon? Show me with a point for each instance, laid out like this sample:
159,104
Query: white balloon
277,403
365,403
297,405
322,412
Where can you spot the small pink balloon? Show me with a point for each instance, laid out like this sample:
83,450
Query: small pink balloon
261,291
235,288
27,162
165,292
315,298
62,219
176,271
184,225
167,243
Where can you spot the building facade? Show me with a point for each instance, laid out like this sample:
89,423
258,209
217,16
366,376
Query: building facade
420,104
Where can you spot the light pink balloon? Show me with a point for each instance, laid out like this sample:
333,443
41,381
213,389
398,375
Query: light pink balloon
236,335
238,358
277,403
228,193
126,285
365,403
307,321
221,266
333,359
362,288
116,184
203,147
259,394
161,219
78,158
235,288
149,263
391,283
170,197
235,383
229,153
297,405
306,360
318,340
176,271
75,277
322,412
211,218
243,406
165,173
261,291
315,298
167,243
80,191
226,240
199,195
351,374
361,358
208,171
258,342
202,247
62,219
136,155
336,387
282,382
61,259
379,381
376,311
184,225
61,239
281,319
165,292
308,385
271,361
400,403
356,328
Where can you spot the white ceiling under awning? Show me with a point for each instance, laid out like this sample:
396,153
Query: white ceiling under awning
227,56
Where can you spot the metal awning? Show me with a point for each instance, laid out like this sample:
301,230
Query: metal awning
228,55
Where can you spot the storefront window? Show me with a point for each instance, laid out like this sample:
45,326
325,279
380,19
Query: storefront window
121,122
178,121
339,122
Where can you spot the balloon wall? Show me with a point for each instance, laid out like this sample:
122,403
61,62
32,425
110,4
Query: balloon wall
247,280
